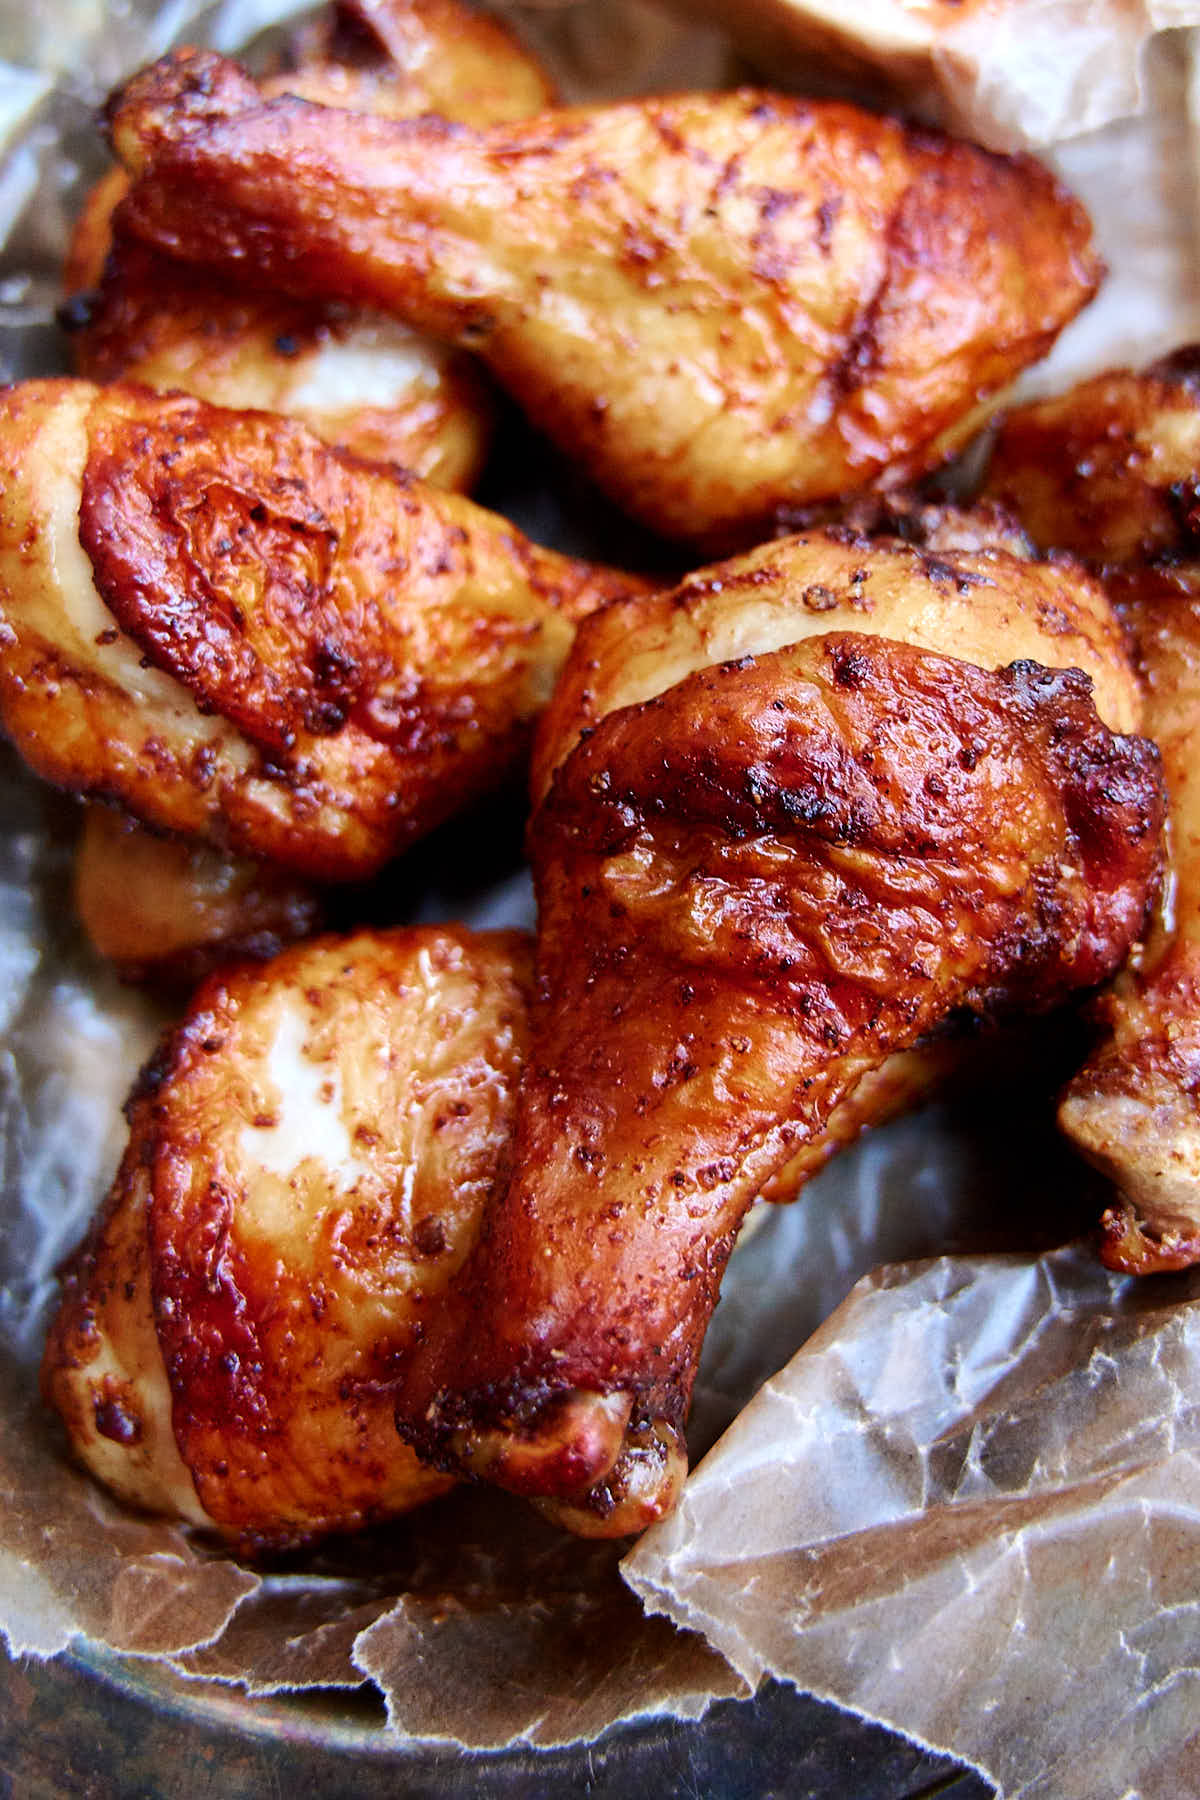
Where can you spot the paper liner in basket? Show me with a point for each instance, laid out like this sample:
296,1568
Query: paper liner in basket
1012,74
479,1624
1140,181
970,1508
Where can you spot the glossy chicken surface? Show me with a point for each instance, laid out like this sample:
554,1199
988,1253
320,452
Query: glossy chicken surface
166,910
246,638
932,525
399,1051
307,1164
358,379
402,58
964,586
759,872
719,304
988,607
361,381
1111,470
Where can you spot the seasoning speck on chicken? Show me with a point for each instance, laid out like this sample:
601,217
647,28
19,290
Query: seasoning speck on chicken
768,856
719,303
308,1158
239,635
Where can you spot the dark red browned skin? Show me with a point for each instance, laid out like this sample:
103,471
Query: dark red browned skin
752,890
269,576
720,303
377,649
155,320
962,585
1110,471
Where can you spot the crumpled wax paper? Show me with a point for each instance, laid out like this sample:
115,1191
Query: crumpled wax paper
1012,74
970,1508
976,1479
1140,180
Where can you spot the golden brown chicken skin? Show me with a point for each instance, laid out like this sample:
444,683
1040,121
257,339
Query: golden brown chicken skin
396,1052
984,606
755,882
961,583
358,379
307,1164
244,637
164,909
426,56
720,304
361,381
168,911
1110,470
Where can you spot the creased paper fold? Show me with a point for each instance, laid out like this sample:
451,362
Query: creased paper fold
969,1508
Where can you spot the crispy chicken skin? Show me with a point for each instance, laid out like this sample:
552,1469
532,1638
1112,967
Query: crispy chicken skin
720,304
1110,470
361,381
773,866
161,908
168,911
958,589
932,525
988,607
358,379
245,637
423,56
307,1164
417,1038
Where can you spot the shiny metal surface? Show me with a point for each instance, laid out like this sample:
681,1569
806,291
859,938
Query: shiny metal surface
107,1728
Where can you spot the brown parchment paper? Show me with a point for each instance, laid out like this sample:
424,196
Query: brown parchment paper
477,1623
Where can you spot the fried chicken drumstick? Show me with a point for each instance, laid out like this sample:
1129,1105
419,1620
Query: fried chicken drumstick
308,1159
720,304
277,1153
765,861
360,380
1110,471
1050,615
164,909
246,638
